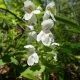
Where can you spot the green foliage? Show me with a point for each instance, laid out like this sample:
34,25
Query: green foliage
14,36
33,72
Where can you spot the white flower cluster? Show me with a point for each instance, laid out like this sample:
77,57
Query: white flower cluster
45,35
30,17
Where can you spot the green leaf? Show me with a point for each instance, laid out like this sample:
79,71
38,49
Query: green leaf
66,21
1,62
13,60
28,74
33,72
2,5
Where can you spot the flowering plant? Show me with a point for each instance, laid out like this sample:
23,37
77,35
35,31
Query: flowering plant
37,42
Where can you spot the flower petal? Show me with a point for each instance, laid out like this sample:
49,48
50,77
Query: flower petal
36,11
33,59
31,27
50,5
46,15
30,61
30,17
28,46
47,24
47,39
27,16
29,6
36,57
39,36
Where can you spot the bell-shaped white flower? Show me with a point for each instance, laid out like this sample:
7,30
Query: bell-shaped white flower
29,6
50,11
30,12
51,5
47,24
32,59
30,17
45,37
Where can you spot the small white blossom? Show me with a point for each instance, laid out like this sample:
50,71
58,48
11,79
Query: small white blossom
32,59
30,12
47,24
45,38
29,6
50,5
30,17
50,11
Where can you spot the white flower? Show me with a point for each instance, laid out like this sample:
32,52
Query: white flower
45,37
41,34
47,24
50,11
30,17
32,59
32,35
29,6
48,15
30,12
50,5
